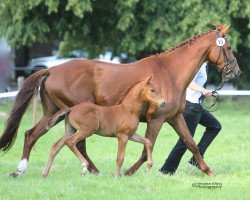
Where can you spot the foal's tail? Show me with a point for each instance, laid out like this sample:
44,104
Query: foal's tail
59,116
28,90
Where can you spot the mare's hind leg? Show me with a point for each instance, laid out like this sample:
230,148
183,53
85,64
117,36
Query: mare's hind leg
148,146
31,136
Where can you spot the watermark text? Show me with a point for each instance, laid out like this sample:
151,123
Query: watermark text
209,185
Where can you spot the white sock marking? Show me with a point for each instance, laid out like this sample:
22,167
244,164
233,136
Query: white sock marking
22,165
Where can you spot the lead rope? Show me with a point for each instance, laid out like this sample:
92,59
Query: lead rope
216,97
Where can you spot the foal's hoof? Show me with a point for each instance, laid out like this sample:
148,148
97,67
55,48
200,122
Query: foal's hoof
44,174
210,173
83,173
16,174
146,170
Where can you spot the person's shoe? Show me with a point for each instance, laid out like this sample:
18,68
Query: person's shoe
170,173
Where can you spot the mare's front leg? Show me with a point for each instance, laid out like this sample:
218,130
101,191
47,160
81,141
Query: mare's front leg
153,128
148,146
179,125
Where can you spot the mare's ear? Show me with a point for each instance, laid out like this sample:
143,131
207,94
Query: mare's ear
218,26
225,30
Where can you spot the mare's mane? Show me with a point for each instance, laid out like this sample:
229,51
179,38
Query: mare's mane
188,41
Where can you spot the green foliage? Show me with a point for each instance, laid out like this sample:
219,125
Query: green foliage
136,27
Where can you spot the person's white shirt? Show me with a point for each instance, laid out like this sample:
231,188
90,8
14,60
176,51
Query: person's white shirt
200,79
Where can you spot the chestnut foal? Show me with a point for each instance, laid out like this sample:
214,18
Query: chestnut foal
119,121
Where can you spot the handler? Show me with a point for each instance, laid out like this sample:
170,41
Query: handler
194,114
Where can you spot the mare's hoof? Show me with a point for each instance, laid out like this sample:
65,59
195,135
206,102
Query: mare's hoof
16,174
94,172
129,172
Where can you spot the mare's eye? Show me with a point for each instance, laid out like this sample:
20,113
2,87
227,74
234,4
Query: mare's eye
152,90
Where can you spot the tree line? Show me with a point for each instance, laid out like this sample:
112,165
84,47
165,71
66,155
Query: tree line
138,28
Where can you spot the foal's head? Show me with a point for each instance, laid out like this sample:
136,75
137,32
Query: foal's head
150,94
222,56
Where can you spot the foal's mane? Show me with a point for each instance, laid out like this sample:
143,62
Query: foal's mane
188,41
128,89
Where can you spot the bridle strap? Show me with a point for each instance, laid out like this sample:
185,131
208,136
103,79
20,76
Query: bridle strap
226,69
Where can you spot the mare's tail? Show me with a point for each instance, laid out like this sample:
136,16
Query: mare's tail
28,90
59,116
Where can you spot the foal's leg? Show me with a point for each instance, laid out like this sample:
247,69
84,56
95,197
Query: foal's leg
122,142
148,146
81,146
153,128
56,147
71,143
179,125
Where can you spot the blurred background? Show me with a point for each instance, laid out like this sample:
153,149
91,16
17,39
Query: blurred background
37,34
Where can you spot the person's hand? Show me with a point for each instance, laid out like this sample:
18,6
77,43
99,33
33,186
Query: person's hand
206,93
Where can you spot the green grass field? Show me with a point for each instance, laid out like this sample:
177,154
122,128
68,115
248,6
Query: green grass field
228,156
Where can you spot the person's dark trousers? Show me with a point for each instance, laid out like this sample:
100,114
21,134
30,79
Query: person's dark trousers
194,114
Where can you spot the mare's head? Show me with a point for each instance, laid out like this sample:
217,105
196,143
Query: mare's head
150,94
221,54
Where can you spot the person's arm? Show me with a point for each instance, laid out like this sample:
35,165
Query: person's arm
194,86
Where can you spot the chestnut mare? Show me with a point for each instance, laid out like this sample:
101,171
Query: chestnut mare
121,121
102,83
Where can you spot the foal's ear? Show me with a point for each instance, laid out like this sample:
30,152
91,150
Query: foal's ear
147,80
